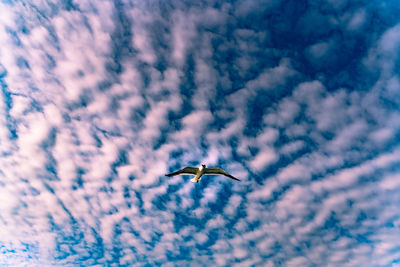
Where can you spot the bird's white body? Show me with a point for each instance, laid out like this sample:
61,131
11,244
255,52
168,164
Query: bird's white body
199,173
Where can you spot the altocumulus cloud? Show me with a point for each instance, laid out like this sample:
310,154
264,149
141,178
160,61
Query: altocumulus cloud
299,99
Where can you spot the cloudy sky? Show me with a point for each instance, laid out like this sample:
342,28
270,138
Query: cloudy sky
298,99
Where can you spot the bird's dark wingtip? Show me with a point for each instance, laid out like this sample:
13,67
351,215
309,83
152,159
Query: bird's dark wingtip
234,178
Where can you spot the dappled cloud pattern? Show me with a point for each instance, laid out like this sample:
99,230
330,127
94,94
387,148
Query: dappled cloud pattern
298,99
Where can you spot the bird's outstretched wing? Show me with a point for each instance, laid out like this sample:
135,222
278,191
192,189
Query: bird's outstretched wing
219,171
186,170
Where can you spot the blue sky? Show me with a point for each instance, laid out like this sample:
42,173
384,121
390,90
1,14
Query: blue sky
298,99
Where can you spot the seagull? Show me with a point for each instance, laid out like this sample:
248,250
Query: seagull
198,172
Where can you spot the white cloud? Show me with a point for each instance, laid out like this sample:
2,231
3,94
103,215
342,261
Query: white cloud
263,159
286,111
193,125
292,147
348,136
357,21
390,182
273,77
319,50
292,172
265,191
141,39
183,32
384,54
349,176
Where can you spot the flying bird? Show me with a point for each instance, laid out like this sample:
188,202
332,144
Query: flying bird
198,172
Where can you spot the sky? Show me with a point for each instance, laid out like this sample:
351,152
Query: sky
298,99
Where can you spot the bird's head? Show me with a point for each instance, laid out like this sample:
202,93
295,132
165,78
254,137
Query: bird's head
203,165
